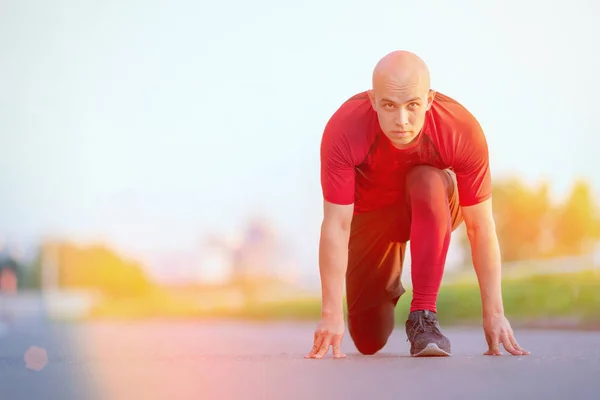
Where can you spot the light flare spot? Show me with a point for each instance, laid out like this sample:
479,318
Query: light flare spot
36,358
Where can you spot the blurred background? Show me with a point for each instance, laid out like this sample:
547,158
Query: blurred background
161,159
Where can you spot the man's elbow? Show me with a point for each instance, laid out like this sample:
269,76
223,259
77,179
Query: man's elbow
337,219
335,228
479,219
481,229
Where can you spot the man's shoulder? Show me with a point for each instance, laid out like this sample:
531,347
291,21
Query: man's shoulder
355,108
352,128
444,98
364,95
450,115
455,131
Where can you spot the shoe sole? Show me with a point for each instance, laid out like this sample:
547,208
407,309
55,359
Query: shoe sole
432,350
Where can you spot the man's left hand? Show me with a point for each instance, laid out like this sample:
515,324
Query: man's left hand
498,330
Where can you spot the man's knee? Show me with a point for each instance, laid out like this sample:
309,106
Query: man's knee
369,345
426,183
371,329
368,339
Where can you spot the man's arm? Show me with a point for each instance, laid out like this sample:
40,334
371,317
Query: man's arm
485,252
333,260
340,153
470,159
333,256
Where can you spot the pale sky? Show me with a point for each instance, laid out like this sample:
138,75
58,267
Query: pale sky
148,124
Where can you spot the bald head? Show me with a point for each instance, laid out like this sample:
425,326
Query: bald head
401,69
401,96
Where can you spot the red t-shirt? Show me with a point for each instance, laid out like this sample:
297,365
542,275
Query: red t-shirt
360,165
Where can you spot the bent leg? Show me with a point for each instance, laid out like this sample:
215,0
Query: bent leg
370,329
373,284
435,213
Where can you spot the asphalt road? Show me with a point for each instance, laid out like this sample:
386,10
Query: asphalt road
234,360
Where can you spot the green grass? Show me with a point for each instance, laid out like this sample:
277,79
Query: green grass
572,296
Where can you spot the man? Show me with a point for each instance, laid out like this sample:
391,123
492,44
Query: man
401,162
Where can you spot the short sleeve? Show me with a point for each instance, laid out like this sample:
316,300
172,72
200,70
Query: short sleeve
472,164
337,167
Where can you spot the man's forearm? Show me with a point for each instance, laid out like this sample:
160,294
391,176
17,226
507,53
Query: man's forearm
485,252
333,261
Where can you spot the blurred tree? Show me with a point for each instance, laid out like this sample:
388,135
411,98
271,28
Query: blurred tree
31,275
522,216
529,226
577,226
98,268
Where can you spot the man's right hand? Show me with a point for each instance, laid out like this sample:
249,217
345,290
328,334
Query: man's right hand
329,332
333,260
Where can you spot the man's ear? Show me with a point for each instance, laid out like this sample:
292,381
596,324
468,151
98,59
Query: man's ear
371,94
430,98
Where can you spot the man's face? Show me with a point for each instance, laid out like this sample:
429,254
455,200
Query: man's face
401,111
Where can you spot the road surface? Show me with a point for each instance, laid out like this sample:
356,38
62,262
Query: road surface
235,360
